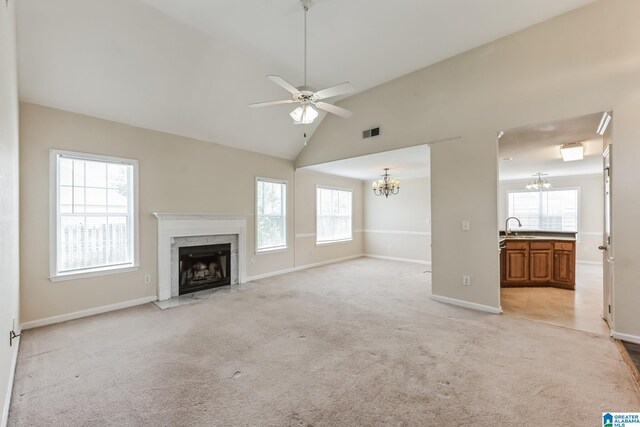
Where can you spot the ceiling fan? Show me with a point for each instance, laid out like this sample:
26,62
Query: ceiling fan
307,96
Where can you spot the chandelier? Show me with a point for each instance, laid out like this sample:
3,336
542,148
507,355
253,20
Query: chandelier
538,183
386,186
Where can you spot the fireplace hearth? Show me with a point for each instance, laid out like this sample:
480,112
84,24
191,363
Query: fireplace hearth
204,267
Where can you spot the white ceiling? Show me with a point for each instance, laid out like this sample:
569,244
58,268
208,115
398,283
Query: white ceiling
405,163
191,67
536,148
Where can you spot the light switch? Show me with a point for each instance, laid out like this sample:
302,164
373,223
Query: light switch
465,225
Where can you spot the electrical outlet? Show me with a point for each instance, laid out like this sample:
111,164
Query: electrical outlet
466,280
466,226
585,249
147,279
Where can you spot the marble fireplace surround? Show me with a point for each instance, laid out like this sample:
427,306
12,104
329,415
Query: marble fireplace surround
176,230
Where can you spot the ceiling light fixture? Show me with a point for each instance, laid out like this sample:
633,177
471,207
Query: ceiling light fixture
572,152
306,96
604,122
538,183
500,134
304,115
386,186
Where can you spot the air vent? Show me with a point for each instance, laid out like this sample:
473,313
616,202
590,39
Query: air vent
370,133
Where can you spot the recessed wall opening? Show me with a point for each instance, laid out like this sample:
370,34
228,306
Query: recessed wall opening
553,217
397,202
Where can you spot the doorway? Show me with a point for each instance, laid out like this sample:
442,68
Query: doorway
553,216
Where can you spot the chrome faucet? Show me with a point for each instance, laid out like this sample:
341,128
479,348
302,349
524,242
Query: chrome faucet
506,225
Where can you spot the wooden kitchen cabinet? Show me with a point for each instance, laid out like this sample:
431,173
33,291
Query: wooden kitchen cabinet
564,273
517,261
538,263
541,261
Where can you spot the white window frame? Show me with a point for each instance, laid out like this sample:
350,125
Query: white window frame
339,241
274,249
56,276
578,202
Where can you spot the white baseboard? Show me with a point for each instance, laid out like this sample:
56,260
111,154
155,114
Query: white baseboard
625,337
390,258
271,274
302,267
84,313
12,372
467,304
589,262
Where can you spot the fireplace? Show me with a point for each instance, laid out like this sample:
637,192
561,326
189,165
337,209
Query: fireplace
203,267
177,231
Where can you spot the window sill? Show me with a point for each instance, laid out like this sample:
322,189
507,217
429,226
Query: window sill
334,242
93,273
271,250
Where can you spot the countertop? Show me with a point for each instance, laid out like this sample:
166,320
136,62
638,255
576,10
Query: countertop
528,235
519,234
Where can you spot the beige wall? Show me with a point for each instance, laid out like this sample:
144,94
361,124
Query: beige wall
591,211
9,204
578,63
176,174
307,252
399,226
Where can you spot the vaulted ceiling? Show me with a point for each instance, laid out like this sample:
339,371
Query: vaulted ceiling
191,67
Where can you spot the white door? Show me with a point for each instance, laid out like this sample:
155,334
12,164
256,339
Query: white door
607,244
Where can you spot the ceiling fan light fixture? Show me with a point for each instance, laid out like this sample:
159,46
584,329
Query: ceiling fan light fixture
305,115
572,152
306,96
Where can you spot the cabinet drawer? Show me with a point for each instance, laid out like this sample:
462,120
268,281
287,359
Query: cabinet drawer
563,246
540,245
517,245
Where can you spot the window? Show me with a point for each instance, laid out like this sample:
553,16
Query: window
94,215
549,210
333,215
271,214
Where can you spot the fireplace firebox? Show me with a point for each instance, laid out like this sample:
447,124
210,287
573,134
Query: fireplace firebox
204,267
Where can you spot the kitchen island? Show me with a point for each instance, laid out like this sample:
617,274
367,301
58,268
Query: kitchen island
538,258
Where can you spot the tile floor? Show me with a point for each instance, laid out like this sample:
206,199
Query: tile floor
580,309
202,295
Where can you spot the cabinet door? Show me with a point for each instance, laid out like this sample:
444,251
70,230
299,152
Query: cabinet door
540,266
517,263
563,267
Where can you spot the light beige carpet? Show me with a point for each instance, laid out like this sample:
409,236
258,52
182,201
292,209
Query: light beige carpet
354,343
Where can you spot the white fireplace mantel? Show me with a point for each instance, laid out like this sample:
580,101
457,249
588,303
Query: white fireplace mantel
171,225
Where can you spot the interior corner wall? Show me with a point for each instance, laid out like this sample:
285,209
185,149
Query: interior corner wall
9,204
307,252
590,219
581,62
399,227
176,175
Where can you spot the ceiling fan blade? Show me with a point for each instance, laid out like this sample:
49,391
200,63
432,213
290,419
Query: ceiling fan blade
336,90
268,103
284,84
334,109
